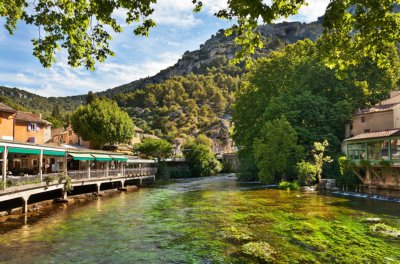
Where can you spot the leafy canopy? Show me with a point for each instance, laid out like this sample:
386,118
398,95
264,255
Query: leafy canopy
102,122
154,148
276,151
354,28
200,158
314,100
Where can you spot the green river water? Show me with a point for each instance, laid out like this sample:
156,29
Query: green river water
208,220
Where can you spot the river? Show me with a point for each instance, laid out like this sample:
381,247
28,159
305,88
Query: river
209,220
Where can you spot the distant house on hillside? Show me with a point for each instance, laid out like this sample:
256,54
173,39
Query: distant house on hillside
67,136
23,126
137,136
150,136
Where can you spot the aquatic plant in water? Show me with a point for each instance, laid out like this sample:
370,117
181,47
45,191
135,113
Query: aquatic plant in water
385,230
261,250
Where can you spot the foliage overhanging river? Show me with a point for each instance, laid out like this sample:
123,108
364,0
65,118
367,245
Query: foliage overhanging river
208,220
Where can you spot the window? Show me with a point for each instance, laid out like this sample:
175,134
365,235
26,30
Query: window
351,125
363,119
367,130
70,132
32,127
24,163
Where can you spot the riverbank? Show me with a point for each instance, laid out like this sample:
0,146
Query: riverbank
14,219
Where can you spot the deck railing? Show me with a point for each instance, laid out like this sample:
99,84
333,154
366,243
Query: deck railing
79,175
140,172
23,180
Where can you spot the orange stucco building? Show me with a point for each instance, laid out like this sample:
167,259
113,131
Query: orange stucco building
23,126
7,115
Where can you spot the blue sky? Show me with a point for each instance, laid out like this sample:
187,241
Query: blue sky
178,30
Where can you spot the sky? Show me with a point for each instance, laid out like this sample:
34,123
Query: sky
178,30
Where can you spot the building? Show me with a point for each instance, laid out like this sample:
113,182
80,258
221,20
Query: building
383,116
7,115
372,147
23,126
31,128
137,136
67,136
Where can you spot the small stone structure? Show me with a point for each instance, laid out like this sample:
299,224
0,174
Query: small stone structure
328,185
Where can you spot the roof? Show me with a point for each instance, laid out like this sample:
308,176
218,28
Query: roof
391,100
6,108
376,108
137,129
29,117
58,131
377,134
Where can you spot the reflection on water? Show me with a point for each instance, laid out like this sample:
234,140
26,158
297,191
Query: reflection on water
208,220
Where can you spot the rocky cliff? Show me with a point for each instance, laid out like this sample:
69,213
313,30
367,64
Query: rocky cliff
220,48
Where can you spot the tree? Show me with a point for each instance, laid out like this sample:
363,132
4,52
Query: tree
315,101
201,160
90,97
154,148
354,28
56,113
102,122
306,172
276,151
319,157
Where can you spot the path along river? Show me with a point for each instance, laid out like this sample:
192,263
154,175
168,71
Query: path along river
209,220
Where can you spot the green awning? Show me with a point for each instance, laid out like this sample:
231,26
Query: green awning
1,149
81,156
119,158
54,153
24,151
102,157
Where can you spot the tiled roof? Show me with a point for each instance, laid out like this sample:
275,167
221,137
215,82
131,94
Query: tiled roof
377,134
6,108
376,108
391,100
58,131
29,117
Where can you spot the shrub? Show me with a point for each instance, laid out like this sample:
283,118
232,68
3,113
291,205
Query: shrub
306,173
288,185
385,163
48,179
365,164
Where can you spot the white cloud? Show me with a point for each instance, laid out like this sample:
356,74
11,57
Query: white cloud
213,6
175,13
62,80
311,12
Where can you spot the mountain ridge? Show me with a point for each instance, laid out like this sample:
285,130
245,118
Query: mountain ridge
216,49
